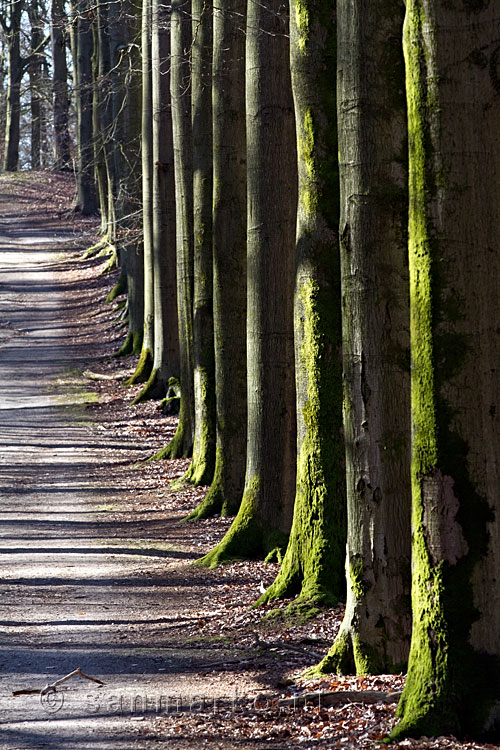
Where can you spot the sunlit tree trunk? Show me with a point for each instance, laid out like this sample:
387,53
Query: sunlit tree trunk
375,633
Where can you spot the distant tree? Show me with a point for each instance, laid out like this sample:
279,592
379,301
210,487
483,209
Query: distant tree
83,49
60,85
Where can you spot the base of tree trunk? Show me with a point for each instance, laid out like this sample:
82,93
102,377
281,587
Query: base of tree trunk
290,582
143,369
176,448
119,288
131,345
155,388
201,470
246,539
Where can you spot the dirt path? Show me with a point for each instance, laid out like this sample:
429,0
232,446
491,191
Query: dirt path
81,585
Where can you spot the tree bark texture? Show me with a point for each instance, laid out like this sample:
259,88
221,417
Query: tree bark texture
452,66
375,634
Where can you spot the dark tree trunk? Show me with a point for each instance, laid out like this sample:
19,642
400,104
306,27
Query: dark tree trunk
60,86
87,196
15,70
166,337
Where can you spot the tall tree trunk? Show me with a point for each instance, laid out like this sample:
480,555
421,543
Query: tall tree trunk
182,442
313,566
453,85
60,85
15,70
229,258
201,470
35,77
166,337
145,364
375,633
265,515
87,196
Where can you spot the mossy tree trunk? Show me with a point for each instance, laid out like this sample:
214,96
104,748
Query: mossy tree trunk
375,633
453,87
201,470
265,515
166,337
60,85
126,30
181,37
145,363
313,566
229,259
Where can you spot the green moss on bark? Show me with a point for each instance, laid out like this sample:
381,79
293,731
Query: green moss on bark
143,369
246,539
119,288
131,345
154,388
313,567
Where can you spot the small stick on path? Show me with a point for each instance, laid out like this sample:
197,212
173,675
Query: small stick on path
53,685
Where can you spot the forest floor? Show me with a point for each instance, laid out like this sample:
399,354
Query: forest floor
96,564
